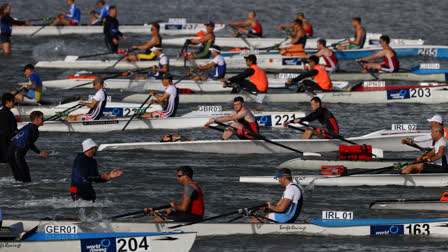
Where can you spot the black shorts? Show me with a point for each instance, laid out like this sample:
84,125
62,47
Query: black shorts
183,217
5,38
432,168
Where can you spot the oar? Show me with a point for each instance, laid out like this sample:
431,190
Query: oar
59,114
138,111
136,212
337,43
239,211
333,134
261,137
376,171
72,58
41,19
417,146
373,75
243,38
42,27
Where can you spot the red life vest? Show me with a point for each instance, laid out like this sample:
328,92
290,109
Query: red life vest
331,61
259,78
308,30
257,28
321,78
197,205
392,62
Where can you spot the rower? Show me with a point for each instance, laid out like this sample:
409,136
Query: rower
8,125
111,30
98,16
360,36
255,27
96,106
258,81
435,161
6,23
34,86
298,41
218,64
435,121
288,208
169,99
162,67
73,17
323,115
155,41
85,171
191,208
321,80
390,61
21,143
331,61
242,119
206,41
307,27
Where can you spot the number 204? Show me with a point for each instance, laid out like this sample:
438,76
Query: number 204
133,244
418,229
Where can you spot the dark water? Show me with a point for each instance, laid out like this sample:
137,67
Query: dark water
149,178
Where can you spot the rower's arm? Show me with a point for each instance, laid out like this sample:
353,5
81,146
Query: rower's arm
308,74
164,68
149,44
204,38
377,55
240,23
281,27
248,72
309,118
161,99
209,65
281,205
91,104
438,155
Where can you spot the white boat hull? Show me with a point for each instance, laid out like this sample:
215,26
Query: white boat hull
418,95
165,29
315,164
385,140
424,180
418,205
372,41
436,228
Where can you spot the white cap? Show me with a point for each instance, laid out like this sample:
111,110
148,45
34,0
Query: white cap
156,48
436,118
211,49
88,144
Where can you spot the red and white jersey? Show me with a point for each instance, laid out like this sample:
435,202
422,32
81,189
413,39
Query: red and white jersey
391,64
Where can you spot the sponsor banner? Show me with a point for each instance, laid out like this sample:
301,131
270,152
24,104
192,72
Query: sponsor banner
398,94
173,27
291,62
387,230
98,245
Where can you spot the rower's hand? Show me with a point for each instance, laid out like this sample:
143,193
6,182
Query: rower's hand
407,141
114,173
82,103
90,11
348,39
152,93
289,81
173,204
147,210
154,68
286,123
125,37
280,27
269,204
43,154
358,60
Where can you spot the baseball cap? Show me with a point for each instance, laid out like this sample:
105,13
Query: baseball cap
88,144
436,118
215,49
251,57
210,23
156,48
283,173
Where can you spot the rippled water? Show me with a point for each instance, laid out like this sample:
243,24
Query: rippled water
149,178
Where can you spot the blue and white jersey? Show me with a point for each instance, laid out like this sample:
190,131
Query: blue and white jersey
220,67
74,14
163,60
103,13
96,112
291,213
170,107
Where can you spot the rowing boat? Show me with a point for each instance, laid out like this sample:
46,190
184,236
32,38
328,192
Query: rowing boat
386,140
233,62
314,226
413,94
269,119
425,180
405,204
166,28
99,241
372,40
308,164
112,109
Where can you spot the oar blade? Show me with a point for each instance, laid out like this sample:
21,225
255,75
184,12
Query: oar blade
70,58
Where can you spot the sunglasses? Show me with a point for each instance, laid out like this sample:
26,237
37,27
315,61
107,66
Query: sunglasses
179,176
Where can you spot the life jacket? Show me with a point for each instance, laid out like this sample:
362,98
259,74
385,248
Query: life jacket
257,29
322,78
259,78
308,30
197,205
21,139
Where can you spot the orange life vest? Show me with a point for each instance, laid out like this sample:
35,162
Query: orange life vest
321,78
259,78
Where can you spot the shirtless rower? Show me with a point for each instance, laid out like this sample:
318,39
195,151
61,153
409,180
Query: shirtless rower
255,29
206,41
298,41
73,17
155,41
360,36
242,119
288,208
6,23
331,61
98,16
321,80
33,88
435,161
218,64
169,99
307,27
323,115
390,61
96,106
191,208
258,81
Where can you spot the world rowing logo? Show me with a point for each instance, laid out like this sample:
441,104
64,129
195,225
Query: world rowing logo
387,230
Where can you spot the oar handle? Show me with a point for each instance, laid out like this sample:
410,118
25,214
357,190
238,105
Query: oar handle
132,117
296,128
59,114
